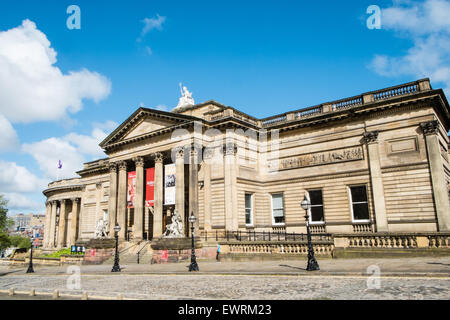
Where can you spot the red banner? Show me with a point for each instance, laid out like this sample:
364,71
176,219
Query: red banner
131,189
150,188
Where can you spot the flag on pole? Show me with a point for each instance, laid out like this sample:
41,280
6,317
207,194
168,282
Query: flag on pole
59,164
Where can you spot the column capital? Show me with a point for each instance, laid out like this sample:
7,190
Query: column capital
158,157
139,161
208,152
179,152
113,167
370,137
229,148
430,127
122,165
75,199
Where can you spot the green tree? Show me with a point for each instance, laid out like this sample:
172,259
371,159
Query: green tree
5,223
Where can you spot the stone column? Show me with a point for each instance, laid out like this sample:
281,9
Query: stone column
62,225
179,185
122,200
139,200
371,139
53,224
112,205
193,187
439,185
74,223
231,221
48,221
207,155
159,187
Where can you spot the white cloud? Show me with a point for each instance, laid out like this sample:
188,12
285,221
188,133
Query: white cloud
427,24
72,149
32,88
152,23
8,136
15,178
20,203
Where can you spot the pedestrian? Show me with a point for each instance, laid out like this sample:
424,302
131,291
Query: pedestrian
218,252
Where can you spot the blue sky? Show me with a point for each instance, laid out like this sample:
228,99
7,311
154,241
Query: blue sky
261,57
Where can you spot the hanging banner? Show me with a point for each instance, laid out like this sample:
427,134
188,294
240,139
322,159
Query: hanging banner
150,188
169,183
131,189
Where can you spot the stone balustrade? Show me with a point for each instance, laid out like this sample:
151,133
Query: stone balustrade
277,247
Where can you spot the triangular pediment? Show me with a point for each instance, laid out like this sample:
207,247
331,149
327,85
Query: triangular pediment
144,121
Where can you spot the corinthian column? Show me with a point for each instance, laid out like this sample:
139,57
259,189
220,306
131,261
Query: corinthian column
207,155
48,219
193,186
179,185
112,208
371,139
51,240
62,225
139,203
439,185
158,212
74,222
122,200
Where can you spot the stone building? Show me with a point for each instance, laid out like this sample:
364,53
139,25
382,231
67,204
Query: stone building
376,162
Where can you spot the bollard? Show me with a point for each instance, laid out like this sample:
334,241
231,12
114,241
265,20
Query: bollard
11,292
32,293
56,294
84,296
119,296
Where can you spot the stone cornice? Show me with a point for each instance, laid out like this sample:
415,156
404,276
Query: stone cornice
75,187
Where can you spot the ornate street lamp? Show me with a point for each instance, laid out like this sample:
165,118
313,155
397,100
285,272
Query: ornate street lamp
116,267
30,266
193,266
312,263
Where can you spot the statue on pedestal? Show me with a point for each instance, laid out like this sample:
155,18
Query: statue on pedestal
175,229
101,229
186,98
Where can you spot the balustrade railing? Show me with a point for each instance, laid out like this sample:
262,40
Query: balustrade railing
395,91
308,112
346,103
261,236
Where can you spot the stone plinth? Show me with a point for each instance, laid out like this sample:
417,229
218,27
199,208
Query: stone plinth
98,250
167,250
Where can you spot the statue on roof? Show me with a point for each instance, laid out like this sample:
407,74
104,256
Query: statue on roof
186,98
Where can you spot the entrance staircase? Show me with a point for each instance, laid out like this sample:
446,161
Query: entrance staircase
130,253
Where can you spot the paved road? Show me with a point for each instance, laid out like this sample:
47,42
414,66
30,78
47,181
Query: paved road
414,278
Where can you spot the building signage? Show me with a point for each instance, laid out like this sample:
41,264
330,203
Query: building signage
150,188
131,189
318,158
169,183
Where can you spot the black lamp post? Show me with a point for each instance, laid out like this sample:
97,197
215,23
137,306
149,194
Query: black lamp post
30,266
312,262
193,266
116,267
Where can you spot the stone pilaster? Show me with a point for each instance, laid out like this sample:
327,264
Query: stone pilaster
62,230
159,187
231,219
379,203
112,205
53,225
207,156
74,222
179,185
193,187
439,185
122,200
139,200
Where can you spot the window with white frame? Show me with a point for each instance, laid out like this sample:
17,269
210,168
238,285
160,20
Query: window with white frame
277,208
105,215
359,203
249,209
316,214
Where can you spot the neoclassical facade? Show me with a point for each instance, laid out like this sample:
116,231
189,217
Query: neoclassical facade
375,162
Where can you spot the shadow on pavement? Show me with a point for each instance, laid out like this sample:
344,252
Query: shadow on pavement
285,265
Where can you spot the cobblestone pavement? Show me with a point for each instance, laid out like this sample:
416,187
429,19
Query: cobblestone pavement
412,278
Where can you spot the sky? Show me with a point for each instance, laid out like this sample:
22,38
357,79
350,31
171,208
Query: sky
63,90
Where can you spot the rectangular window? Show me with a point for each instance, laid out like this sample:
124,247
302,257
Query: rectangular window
316,211
360,205
105,215
249,209
277,208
